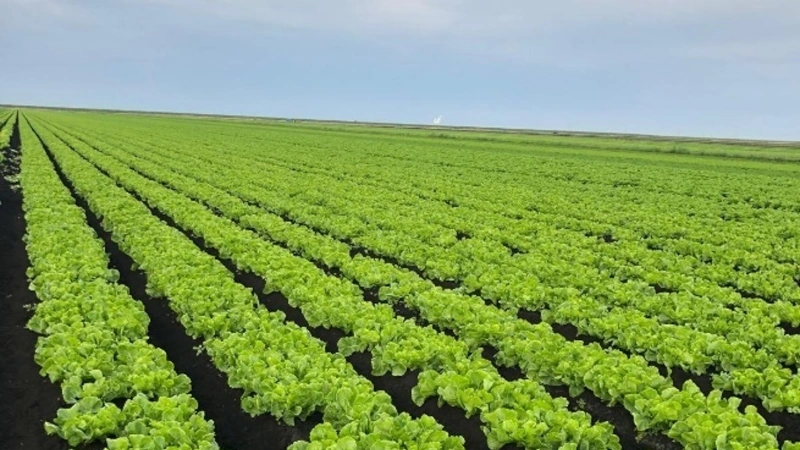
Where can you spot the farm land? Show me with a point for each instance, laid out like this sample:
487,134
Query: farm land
235,283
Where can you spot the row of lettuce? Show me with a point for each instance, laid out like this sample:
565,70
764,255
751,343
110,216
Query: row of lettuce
685,415
570,143
746,352
687,223
692,331
667,258
698,229
281,368
7,121
93,334
644,216
671,259
517,412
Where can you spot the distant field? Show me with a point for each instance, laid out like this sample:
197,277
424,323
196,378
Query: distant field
743,148
244,283
765,150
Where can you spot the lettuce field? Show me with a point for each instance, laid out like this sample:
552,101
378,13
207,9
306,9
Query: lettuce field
177,282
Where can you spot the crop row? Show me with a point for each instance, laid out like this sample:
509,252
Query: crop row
7,121
93,334
581,203
635,397
282,369
479,214
450,372
514,214
711,305
746,370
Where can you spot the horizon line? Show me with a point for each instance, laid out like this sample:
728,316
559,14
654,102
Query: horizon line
423,126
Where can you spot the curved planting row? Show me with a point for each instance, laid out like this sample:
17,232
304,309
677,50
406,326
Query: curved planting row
281,368
654,403
613,195
745,369
7,121
700,269
620,275
513,411
119,388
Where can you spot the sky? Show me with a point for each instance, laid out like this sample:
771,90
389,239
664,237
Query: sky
725,68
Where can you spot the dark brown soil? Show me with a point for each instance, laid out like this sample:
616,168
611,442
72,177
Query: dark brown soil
789,328
15,142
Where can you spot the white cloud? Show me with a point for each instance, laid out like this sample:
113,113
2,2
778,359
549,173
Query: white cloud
764,50
461,17
352,16
61,10
457,18
569,33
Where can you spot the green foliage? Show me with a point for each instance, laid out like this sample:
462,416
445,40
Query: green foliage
596,248
282,370
93,334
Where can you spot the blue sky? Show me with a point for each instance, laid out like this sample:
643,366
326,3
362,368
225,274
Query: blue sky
691,67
